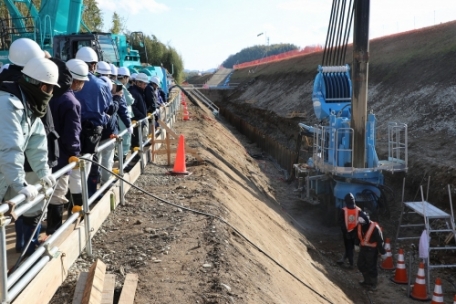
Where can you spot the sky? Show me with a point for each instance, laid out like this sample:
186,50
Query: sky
207,32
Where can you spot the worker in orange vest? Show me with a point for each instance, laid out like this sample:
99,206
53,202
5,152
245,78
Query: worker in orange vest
348,221
370,241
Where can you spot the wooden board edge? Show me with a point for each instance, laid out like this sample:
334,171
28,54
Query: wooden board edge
127,295
80,286
94,285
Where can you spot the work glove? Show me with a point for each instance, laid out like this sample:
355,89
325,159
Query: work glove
130,129
356,248
49,180
30,192
384,256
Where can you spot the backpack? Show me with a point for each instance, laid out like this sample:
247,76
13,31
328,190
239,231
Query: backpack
48,122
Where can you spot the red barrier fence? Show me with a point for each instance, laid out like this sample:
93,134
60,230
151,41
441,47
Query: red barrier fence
279,57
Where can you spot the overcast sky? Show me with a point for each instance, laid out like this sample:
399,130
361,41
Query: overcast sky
206,32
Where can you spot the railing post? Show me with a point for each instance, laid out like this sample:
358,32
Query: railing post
85,203
121,169
3,261
140,145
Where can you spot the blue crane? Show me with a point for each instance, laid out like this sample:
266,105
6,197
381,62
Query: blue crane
56,25
344,157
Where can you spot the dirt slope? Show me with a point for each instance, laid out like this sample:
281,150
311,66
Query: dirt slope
411,80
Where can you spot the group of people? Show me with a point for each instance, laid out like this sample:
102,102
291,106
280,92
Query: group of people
52,110
364,236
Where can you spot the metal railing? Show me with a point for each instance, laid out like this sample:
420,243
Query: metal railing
12,285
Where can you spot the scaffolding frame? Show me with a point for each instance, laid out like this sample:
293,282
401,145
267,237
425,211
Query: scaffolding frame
430,214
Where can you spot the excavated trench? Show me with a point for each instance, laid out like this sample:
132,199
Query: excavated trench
276,136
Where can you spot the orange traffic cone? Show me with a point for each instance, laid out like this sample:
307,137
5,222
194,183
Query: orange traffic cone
179,165
185,115
388,263
437,296
454,300
419,289
400,277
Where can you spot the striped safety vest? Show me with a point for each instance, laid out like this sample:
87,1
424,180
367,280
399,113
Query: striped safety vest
365,241
351,218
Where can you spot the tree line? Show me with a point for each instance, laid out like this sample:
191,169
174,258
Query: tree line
151,50
257,52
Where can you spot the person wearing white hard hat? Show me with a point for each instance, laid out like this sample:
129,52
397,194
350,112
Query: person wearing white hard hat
19,53
132,80
66,110
26,100
139,105
104,71
123,76
95,99
118,112
160,95
113,74
151,98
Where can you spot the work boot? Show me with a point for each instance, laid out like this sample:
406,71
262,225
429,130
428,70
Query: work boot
373,285
366,282
350,266
341,261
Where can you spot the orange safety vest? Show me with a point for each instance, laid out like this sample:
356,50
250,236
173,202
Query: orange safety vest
351,218
365,241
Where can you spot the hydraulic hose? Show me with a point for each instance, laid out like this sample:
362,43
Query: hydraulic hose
217,218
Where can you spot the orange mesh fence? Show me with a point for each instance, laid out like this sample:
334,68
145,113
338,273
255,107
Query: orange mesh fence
279,57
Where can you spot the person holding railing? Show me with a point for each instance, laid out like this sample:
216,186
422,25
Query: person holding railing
66,110
150,98
24,135
139,111
95,99
159,102
123,75
20,52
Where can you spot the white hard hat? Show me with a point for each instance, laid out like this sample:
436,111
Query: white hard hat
78,69
113,69
43,70
103,68
156,80
142,77
108,81
24,49
87,54
133,76
361,221
123,71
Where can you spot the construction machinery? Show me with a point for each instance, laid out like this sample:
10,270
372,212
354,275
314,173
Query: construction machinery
344,157
56,25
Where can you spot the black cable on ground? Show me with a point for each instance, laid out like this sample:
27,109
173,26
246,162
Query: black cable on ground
218,218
